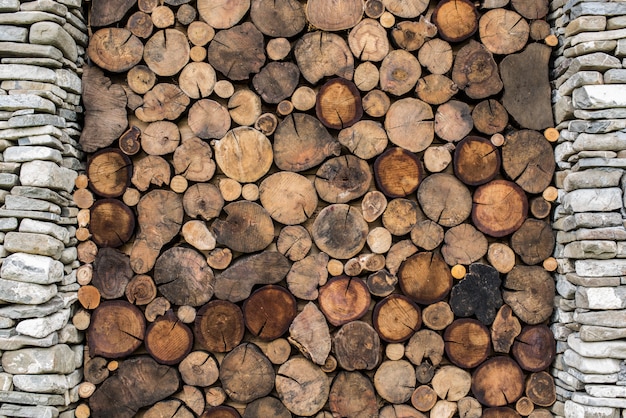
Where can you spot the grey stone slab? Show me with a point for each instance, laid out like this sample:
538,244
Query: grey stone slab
29,411
592,377
40,193
584,399
593,154
26,154
77,34
42,383
597,61
578,79
588,200
617,22
599,350
620,50
41,62
38,119
596,249
38,227
618,113
69,81
26,101
41,327
576,410
20,341
592,281
58,360
598,9
6,323
8,180
599,96
9,6
50,33
601,298
29,214
43,94
590,47
563,109
13,34
600,162
585,24
615,76
28,18
31,398
73,164
29,50
47,174
614,319
37,311
33,243
26,293
41,140
603,35
597,127
594,178
597,333
590,365
31,268
8,224
33,85
45,6
590,268
68,256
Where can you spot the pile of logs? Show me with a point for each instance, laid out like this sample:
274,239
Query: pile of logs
330,208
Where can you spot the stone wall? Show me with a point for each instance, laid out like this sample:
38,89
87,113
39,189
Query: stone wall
590,109
41,47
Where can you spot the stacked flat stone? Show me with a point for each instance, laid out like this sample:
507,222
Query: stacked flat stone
41,48
590,108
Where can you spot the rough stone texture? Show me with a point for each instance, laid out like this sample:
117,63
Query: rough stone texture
593,200
58,359
31,268
47,174
41,327
600,96
33,244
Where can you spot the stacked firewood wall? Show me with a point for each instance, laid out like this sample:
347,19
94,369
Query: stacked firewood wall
317,209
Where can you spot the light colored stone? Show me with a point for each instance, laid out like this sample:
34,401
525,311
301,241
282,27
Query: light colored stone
29,411
28,18
591,249
620,50
25,154
575,410
47,174
600,96
20,341
8,180
617,22
597,268
6,322
582,78
595,333
41,140
593,378
58,360
599,126
615,76
615,319
18,50
592,281
590,365
597,61
12,202
13,34
26,293
31,214
40,193
601,298
6,382
597,8
565,288
41,327
42,383
26,101
38,119
31,398
45,6
69,81
595,178
32,243
61,301
589,47
8,224
31,268
618,113
602,350
563,109
27,72
593,200
585,24
585,399
602,35
69,334
9,6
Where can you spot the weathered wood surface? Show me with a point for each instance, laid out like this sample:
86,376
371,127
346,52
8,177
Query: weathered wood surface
318,208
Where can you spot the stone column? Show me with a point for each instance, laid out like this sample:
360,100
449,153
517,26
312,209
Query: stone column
42,43
590,108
